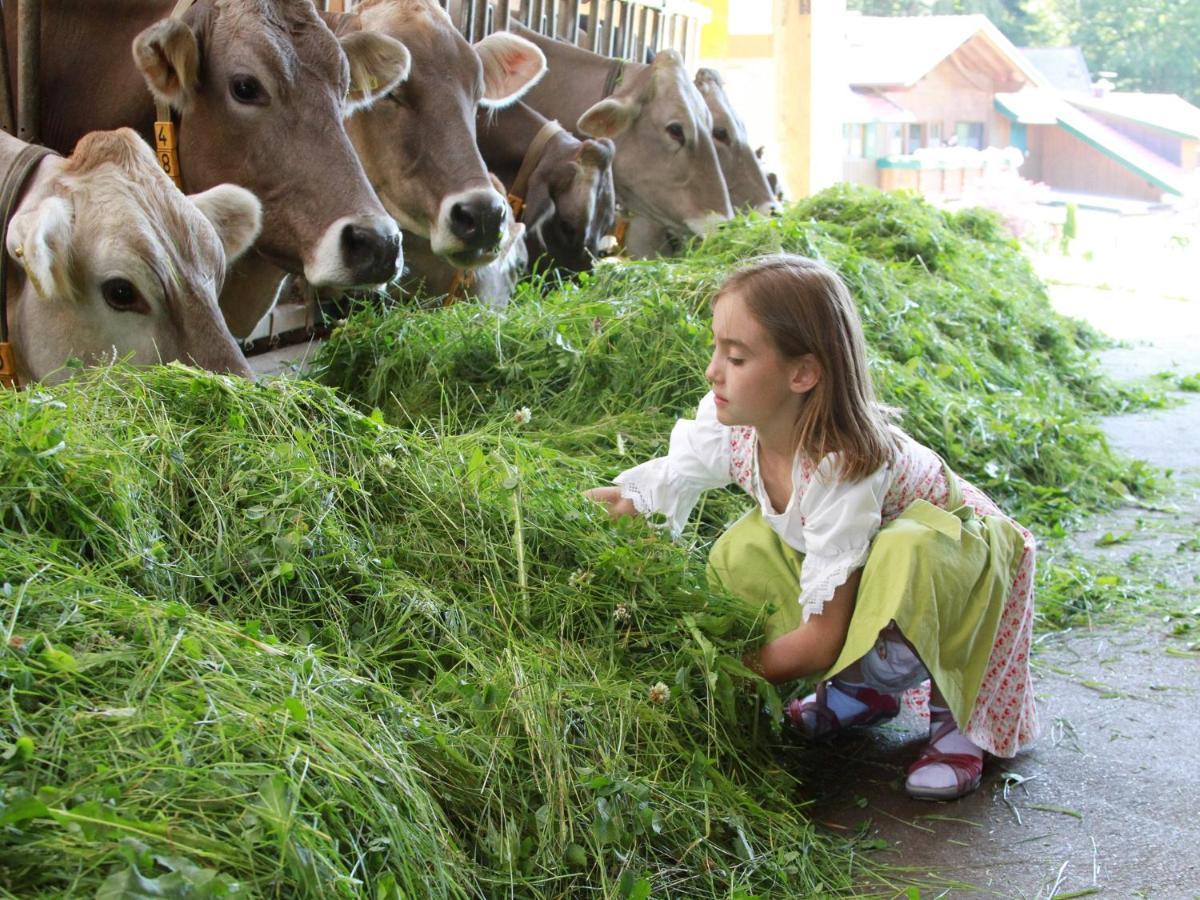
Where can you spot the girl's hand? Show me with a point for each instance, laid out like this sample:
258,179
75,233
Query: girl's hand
611,497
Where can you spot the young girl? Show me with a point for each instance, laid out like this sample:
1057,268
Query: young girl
903,571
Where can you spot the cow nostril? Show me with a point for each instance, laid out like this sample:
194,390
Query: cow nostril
370,254
462,221
479,222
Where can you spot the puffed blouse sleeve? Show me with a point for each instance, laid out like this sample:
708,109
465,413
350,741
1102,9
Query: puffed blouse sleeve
698,459
840,520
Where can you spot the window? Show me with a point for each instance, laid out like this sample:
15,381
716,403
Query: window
895,140
914,138
854,136
970,134
935,134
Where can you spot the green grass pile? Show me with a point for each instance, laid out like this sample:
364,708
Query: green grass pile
260,640
255,639
961,333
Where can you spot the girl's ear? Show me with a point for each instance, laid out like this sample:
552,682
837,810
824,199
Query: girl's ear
805,374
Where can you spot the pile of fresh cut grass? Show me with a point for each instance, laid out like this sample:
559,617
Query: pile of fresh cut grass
962,339
255,638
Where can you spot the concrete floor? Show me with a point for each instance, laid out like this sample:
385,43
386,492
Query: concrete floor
1106,804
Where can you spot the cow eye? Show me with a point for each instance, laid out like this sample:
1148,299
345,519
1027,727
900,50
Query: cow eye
121,295
675,130
721,134
247,89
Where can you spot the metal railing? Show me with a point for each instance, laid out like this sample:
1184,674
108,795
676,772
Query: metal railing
625,29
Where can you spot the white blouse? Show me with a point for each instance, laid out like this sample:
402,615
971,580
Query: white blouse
831,522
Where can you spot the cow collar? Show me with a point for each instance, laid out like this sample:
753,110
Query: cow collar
533,156
615,73
164,126
10,192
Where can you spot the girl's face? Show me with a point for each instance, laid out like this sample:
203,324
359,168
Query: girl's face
753,383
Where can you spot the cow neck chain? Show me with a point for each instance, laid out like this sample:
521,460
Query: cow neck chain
533,156
10,191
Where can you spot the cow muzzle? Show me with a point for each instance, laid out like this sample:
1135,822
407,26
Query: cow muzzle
470,228
357,250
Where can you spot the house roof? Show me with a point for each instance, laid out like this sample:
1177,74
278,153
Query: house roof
1047,107
898,51
862,106
1065,67
1162,112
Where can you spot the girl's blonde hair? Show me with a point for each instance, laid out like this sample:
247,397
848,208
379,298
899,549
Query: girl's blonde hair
806,309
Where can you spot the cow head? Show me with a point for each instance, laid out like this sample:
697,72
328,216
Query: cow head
570,205
665,166
262,87
418,144
112,261
744,176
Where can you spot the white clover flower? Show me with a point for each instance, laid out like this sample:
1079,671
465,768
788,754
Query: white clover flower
579,577
659,693
621,613
386,461
523,415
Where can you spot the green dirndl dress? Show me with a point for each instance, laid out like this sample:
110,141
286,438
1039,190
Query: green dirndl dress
943,576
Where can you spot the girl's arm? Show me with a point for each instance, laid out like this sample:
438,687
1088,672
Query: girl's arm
814,646
697,459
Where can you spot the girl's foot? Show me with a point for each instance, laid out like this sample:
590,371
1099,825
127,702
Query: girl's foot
837,705
949,767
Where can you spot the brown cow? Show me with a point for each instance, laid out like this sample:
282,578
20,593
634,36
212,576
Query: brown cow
112,260
744,175
568,200
418,145
261,88
665,166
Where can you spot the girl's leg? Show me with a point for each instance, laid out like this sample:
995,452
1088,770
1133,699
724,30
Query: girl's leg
950,766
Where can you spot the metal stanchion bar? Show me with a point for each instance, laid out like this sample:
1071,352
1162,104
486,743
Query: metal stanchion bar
573,28
610,40
29,27
627,25
468,26
7,121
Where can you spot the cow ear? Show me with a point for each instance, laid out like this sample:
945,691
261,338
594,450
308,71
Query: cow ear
169,58
608,118
377,64
596,153
235,213
39,241
511,66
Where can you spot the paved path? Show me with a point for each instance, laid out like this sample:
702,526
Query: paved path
1107,803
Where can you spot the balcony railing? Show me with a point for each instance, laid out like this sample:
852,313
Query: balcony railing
625,29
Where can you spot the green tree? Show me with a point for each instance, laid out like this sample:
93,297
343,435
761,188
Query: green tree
1150,44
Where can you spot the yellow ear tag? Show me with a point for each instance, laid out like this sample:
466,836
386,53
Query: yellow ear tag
165,148
8,366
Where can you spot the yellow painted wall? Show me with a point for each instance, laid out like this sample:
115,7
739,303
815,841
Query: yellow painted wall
714,35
